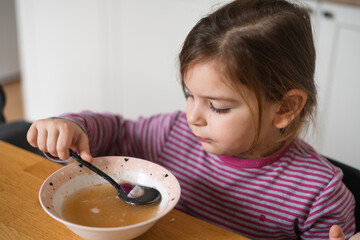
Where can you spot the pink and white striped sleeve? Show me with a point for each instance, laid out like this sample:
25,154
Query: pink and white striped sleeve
111,134
334,205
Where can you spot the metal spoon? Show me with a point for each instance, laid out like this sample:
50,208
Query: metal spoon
149,195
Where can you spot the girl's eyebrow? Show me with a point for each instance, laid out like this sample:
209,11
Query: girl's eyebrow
220,98
215,98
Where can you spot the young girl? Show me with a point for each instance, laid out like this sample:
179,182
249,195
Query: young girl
247,73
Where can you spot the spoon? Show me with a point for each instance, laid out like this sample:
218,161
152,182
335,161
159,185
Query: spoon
148,195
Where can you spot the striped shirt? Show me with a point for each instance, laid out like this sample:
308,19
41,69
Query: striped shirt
294,193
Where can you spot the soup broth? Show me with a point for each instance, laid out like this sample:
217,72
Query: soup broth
99,206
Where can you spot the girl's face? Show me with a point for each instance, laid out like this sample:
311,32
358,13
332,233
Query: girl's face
221,119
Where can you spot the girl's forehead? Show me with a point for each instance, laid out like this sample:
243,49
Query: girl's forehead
211,72
205,82
216,68
208,68
204,73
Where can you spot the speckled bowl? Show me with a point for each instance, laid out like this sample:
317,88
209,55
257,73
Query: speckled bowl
74,176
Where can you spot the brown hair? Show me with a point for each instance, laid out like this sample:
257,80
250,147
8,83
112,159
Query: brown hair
266,45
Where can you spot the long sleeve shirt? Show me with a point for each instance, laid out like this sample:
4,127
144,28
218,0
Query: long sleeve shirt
291,194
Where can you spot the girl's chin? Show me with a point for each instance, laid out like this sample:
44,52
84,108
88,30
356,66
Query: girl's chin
210,149
215,151
220,152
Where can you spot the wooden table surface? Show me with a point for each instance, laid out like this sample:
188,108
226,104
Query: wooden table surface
22,217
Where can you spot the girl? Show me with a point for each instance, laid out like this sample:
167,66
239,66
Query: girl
247,73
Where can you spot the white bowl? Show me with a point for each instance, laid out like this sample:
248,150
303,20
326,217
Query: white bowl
74,176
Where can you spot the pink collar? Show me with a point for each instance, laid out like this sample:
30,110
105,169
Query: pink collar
254,162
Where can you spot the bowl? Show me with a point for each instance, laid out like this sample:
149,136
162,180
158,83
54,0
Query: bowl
73,177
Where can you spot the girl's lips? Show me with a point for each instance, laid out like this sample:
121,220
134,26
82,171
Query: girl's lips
206,140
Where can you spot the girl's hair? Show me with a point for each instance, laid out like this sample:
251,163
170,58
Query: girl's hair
266,45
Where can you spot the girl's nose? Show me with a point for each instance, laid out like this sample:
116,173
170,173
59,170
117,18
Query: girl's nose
195,116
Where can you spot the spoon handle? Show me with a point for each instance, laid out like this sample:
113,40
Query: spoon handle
97,171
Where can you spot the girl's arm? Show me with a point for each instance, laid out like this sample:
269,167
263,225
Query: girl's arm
334,205
111,134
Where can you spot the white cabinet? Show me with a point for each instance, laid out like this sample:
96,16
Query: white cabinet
337,32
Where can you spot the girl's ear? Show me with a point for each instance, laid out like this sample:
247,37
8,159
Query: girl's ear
289,107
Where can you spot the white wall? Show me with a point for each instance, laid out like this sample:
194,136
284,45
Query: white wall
103,55
9,63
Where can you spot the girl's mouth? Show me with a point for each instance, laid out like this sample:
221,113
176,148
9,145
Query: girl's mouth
206,140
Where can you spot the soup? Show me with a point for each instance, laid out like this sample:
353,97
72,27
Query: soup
99,206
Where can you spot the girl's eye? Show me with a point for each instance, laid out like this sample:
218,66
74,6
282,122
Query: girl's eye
219,110
187,94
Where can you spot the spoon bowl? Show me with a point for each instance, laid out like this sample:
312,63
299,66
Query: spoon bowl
139,195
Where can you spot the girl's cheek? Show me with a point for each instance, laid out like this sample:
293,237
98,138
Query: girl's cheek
188,109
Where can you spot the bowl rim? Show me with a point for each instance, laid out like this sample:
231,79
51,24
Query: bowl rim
83,227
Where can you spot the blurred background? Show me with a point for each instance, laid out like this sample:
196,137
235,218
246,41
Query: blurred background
121,56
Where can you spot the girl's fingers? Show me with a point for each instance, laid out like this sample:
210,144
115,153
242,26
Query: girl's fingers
42,139
52,139
31,136
83,147
336,233
81,144
56,136
63,145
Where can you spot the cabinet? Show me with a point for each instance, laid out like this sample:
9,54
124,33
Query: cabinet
337,35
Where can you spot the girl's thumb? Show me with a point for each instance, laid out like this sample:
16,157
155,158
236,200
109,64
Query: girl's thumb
84,150
85,155
336,233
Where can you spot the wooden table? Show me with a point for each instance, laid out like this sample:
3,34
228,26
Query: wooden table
22,217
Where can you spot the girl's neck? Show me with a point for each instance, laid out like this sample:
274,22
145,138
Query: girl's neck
263,151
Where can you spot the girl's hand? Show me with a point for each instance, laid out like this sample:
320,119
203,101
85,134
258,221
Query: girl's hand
336,233
56,136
